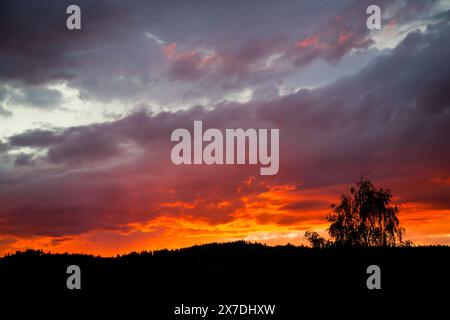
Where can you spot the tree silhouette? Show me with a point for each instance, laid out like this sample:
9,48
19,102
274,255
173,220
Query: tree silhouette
316,240
365,218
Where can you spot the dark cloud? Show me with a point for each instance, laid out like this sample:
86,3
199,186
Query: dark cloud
221,46
36,139
86,144
3,147
37,47
23,159
305,205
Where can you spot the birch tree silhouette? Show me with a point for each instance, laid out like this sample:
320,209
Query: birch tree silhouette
365,218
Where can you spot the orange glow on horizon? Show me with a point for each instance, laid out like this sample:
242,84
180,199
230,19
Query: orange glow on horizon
279,215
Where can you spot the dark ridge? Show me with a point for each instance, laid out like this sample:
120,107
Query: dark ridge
327,279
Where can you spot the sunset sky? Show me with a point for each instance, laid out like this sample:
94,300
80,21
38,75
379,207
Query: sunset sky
86,118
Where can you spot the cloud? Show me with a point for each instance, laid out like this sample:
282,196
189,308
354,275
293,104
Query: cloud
24,159
226,47
84,144
4,112
346,31
35,139
37,97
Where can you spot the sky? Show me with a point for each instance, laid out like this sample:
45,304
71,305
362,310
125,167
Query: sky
86,118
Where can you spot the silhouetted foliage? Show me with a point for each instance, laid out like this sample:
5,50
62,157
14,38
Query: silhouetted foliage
365,218
316,241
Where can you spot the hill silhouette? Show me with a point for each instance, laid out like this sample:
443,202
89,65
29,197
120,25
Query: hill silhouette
295,279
